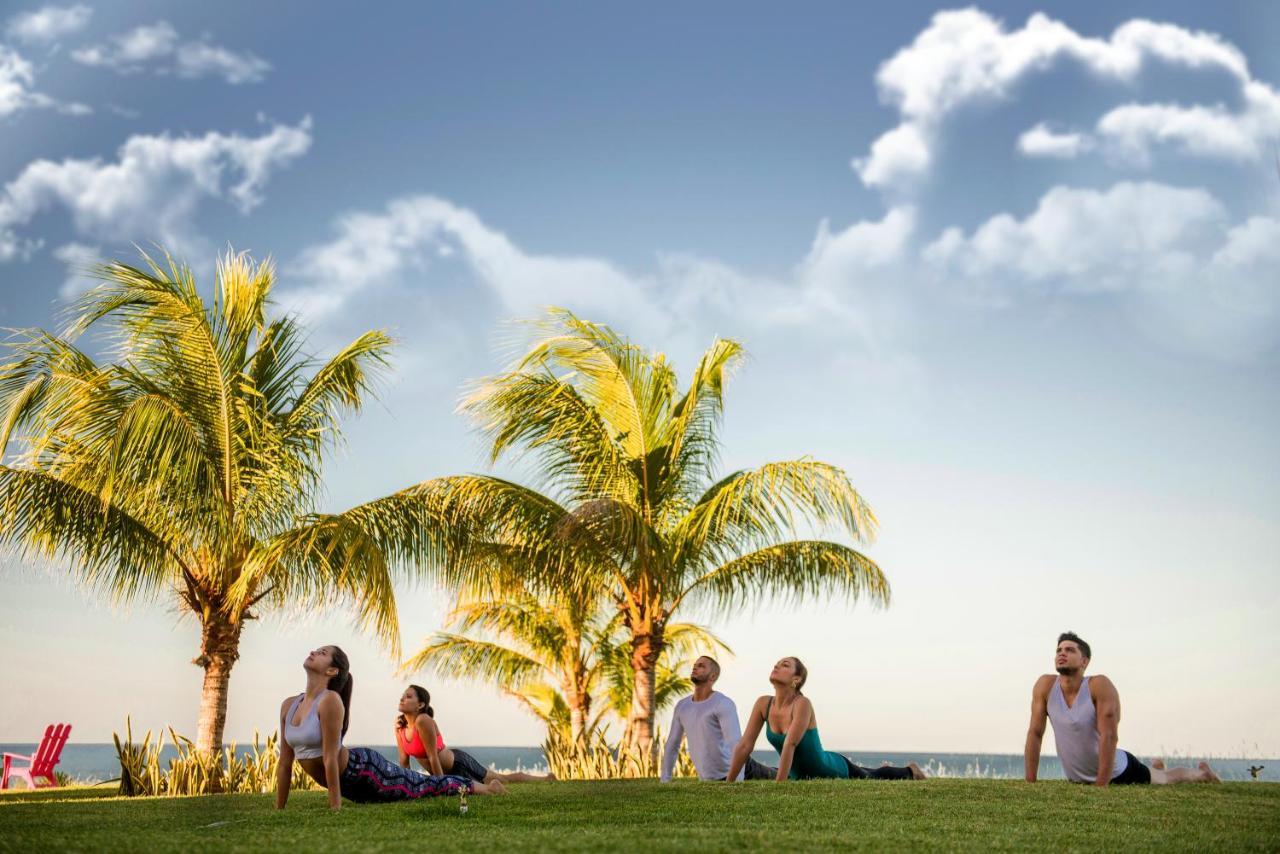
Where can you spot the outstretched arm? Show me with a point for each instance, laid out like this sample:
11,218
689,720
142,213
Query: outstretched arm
1035,732
1106,702
672,749
729,729
404,754
748,740
801,713
427,731
331,741
284,765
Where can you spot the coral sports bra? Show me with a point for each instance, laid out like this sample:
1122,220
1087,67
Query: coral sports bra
411,742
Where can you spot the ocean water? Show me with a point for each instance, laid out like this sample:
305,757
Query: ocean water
88,763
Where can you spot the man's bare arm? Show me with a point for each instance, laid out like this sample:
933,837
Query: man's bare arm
1106,702
1035,732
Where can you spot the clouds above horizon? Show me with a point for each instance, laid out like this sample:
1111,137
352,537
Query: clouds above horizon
158,48
48,24
152,190
17,92
966,57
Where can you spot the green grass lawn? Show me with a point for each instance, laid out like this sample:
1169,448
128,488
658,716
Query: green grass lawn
952,814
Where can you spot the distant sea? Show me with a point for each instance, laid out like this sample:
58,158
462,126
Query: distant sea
91,763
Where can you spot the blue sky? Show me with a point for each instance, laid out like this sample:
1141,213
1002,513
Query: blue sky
1012,266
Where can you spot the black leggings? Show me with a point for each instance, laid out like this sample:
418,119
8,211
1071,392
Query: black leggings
884,772
371,777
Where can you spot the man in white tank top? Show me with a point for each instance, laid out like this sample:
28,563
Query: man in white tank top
1085,713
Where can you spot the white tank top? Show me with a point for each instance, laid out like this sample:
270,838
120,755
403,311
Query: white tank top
1075,729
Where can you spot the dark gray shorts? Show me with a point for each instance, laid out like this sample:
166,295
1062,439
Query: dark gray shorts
466,765
758,771
1135,773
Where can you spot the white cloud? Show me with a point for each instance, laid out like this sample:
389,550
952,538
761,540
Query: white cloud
48,24
1042,141
17,76
967,56
897,157
1087,240
154,187
1135,129
158,47
416,234
77,257
1188,276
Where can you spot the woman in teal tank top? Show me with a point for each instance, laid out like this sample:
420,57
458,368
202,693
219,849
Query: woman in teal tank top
791,727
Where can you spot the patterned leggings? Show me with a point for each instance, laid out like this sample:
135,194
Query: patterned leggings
371,777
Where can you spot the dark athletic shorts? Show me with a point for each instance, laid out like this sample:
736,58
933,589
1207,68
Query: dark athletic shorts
1135,773
466,765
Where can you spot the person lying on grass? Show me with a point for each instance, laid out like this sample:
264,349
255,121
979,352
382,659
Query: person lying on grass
709,720
419,738
1085,713
312,725
791,726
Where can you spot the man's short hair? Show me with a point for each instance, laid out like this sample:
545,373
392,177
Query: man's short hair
1078,641
714,665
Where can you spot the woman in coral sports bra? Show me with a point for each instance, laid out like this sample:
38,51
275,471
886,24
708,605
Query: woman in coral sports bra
417,736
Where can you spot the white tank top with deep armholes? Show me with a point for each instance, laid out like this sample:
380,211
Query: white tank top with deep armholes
306,739
1075,730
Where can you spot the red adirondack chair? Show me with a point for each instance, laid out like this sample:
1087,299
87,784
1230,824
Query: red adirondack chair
40,764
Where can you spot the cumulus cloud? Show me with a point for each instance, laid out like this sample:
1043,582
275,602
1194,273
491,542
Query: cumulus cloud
77,257
1087,240
1172,255
153,188
158,47
1248,135
415,236
1042,141
17,77
967,56
47,25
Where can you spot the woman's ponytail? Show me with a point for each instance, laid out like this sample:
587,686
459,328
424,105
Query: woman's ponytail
340,684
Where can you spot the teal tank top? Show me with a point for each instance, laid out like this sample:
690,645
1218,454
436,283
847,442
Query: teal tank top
810,760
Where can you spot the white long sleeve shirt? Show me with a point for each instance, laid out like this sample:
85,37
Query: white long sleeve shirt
711,727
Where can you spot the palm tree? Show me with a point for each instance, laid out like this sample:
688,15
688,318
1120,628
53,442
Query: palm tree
634,509
188,467
554,655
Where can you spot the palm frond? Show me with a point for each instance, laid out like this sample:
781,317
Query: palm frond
799,570
452,655
768,504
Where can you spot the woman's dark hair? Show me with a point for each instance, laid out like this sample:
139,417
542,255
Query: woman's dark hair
424,698
340,683
802,673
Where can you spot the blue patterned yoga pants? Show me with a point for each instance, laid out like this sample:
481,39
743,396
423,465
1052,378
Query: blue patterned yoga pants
371,777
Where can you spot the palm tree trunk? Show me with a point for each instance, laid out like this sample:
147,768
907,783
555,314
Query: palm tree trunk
219,649
579,709
645,649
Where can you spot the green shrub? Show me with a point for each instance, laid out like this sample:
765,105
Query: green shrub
196,773
594,758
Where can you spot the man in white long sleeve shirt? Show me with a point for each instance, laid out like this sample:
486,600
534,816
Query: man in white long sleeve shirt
709,720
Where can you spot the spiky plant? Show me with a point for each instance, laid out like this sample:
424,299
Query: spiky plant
627,464
186,465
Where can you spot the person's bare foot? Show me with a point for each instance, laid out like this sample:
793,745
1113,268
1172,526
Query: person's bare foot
1157,764
551,778
495,787
916,773
1209,775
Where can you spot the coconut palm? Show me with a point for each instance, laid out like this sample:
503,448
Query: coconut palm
628,467
186,465
556,656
